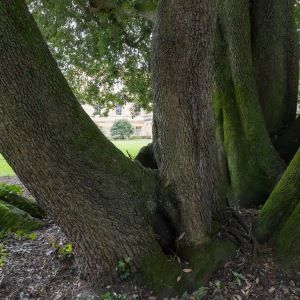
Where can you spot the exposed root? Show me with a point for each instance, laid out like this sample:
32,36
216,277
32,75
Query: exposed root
241,236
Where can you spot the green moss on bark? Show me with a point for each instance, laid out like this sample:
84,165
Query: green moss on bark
287,246
253,164
160,274
27,205
204,260
12,218
281,202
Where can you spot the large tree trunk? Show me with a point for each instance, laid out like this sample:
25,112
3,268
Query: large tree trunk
253,164
99,197
275,59
184,129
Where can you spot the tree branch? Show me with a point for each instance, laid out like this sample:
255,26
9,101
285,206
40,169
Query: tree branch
146,10
110,8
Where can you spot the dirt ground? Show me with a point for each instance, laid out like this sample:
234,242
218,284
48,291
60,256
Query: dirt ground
34,269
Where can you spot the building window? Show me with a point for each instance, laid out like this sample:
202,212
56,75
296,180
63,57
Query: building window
119,110
138,130
137,110
97,109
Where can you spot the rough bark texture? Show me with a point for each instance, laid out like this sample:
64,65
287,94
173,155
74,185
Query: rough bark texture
287,246
279,219
253,164
281,203
275,59
14,219
85,184
28,205
184,128
287,141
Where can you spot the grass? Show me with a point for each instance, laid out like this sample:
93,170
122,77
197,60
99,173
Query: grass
132,146
5,169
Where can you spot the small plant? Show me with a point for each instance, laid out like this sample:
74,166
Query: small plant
107,295
3,253
114,296
184,296
200,293
10,189
31,236
218,285
63,251
123,268
53,243
19,234
238,278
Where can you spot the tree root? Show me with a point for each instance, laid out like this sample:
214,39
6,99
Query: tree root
237,236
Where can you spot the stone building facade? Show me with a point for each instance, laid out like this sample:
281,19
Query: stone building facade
142,122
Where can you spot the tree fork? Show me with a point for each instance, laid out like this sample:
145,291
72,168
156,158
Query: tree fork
82,181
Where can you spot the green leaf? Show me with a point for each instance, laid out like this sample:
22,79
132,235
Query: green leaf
106,295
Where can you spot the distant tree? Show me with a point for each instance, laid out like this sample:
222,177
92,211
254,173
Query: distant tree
121,128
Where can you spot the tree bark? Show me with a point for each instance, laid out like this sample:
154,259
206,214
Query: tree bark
184,128
287,141
279,219
275,60
105,203
281,203
99,197
253,164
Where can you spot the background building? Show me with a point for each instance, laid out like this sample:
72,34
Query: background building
141,123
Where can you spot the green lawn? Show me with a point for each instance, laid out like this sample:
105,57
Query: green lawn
132,146
5,169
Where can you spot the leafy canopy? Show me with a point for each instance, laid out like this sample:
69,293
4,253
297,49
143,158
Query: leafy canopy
99,45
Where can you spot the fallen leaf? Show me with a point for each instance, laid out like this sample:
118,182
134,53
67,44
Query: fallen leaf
272,290
178,278
187,270
181,236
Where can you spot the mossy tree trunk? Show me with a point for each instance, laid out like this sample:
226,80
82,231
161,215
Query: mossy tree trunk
184,128
253,164
280,216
